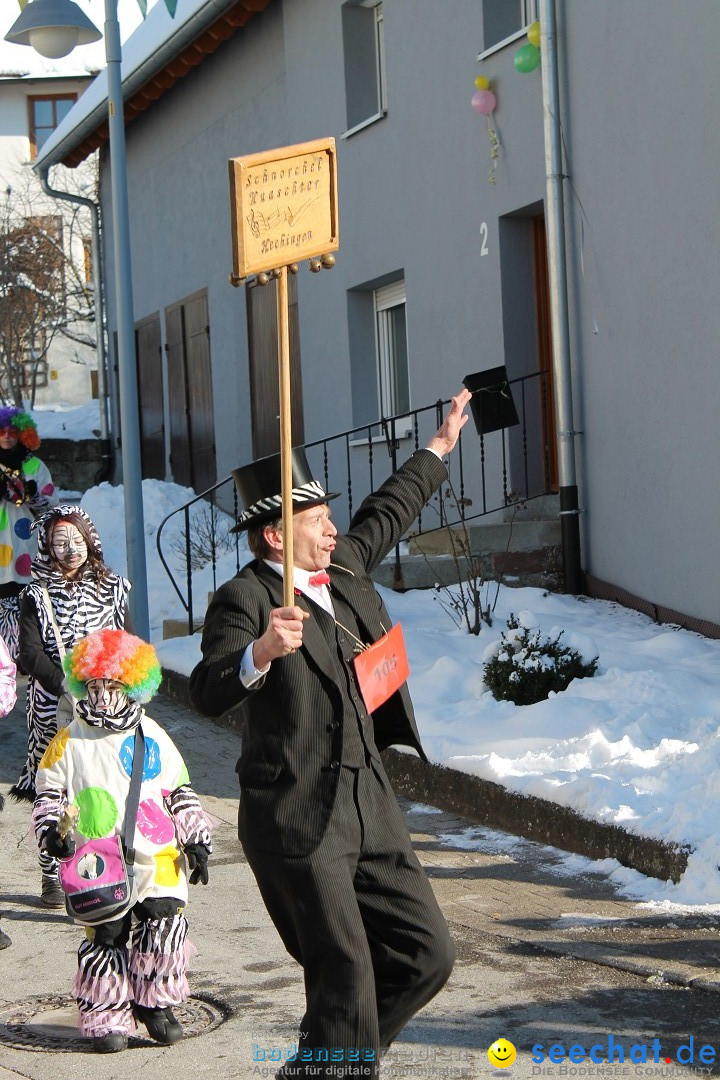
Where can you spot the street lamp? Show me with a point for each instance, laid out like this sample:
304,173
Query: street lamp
53,28
59,25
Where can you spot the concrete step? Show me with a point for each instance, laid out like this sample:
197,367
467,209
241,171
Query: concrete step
543,508
495,536
519,552
538,569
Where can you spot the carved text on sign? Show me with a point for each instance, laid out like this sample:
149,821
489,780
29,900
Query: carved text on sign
284,207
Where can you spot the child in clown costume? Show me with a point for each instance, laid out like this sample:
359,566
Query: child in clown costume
87,766
26,490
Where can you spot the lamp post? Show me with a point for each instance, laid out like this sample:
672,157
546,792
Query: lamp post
54,28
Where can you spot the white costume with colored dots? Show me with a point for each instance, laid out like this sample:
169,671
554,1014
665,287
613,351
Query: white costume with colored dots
88,767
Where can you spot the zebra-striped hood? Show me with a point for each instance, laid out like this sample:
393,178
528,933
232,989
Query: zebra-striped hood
44,566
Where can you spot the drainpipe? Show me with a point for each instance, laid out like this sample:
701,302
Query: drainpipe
106,467
557,271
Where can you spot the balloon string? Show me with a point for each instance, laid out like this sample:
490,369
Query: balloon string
495,145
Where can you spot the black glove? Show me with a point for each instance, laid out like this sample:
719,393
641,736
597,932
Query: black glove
30,489
60,847
197,857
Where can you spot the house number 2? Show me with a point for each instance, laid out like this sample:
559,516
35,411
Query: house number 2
483,238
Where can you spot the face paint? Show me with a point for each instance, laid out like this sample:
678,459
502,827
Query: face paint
106,696
68,547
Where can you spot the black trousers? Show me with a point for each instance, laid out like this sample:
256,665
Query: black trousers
359,915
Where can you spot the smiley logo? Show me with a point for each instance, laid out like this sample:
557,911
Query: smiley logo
501,1054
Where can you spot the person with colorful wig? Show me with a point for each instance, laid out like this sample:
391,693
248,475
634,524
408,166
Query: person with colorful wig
71,594
88,766
26,490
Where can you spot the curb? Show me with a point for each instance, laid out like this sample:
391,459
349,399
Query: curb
487,803
545,822
591,953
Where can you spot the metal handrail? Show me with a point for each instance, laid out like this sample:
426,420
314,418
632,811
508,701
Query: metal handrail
355,438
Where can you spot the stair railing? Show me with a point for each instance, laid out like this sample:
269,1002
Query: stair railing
532,445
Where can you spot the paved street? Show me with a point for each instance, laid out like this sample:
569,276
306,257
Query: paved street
543,957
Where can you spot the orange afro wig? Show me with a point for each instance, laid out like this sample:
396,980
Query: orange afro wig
22,424
114,654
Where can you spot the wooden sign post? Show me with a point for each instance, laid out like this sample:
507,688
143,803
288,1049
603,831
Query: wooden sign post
283,206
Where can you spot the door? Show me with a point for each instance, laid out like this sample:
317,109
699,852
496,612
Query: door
199,386
180,464
150,397
262,353
192,421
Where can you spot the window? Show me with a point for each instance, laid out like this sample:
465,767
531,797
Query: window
45,115
364,51
506,19
392,352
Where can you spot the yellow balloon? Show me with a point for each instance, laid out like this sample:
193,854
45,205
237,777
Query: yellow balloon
533,34
482,83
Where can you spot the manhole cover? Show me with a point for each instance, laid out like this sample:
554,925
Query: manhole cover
49,1024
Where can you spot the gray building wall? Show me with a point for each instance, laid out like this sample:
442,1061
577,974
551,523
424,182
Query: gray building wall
637,81
408,202
642,212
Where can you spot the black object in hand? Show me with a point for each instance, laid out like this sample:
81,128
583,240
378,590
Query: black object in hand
197,857
60,847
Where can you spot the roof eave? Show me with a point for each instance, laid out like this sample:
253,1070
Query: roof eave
197,38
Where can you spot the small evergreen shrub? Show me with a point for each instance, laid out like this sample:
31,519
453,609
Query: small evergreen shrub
527,667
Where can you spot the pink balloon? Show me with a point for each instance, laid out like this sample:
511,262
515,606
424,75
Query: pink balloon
483,101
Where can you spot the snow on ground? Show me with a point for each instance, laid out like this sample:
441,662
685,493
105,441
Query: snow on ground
638,745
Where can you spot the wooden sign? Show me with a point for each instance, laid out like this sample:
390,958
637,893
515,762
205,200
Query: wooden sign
284,206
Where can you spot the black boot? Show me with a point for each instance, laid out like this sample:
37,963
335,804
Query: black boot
51,894
160,1023
110,1043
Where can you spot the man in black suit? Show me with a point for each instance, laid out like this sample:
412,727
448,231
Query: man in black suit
318,822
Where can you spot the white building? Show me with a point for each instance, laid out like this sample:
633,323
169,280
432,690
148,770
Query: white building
35,95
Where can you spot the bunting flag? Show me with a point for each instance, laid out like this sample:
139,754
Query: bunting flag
171,5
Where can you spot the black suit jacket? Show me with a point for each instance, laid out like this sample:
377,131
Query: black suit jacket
292,741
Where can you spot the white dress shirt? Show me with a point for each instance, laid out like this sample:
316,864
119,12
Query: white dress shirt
249,674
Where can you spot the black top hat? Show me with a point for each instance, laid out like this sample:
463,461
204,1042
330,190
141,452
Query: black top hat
259,485
491,404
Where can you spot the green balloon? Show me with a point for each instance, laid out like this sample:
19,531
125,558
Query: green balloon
527,58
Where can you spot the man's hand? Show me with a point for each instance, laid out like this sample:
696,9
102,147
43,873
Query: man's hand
197,857
444,439
282,637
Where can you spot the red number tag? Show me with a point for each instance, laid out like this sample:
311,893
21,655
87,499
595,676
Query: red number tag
382,668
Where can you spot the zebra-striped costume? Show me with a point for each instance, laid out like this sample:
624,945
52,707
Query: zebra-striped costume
80,606
81,767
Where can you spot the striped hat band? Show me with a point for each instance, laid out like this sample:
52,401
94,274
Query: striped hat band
311,492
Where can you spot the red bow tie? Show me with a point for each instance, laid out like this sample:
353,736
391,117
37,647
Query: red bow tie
321,578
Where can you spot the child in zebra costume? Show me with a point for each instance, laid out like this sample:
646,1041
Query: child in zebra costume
88,766
74,589
26,490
